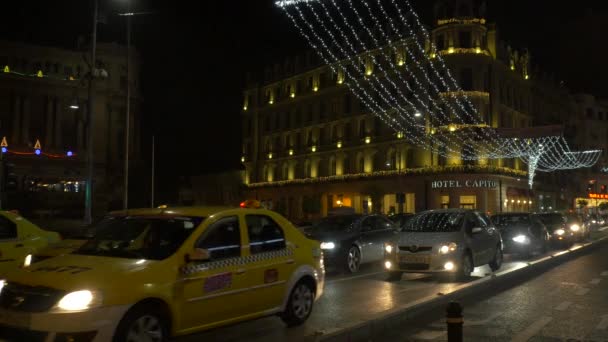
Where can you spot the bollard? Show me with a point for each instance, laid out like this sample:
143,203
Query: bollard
454,321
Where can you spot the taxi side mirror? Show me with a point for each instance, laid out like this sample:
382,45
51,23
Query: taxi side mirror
198,255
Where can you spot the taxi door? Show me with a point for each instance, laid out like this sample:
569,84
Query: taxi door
12,249
270,259
215,291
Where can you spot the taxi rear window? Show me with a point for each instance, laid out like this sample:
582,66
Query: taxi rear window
139,237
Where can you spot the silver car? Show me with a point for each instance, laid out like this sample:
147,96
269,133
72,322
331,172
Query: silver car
444,241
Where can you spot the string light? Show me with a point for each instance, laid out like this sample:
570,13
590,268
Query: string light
436,91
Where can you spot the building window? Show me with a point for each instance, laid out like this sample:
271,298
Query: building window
468,202
465,39
362,131
466,79
322,110
332,166
589,113
361,164
445,201
347,104
309,113
440,42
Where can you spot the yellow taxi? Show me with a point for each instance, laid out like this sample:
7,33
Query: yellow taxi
19,238
150,274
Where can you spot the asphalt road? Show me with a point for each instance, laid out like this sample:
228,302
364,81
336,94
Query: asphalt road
349,299
567,303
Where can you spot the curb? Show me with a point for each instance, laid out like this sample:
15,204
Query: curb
378,324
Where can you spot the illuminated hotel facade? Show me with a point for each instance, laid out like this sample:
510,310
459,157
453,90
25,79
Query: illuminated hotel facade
309,146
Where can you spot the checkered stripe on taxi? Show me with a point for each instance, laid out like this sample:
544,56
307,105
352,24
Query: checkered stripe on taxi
190,269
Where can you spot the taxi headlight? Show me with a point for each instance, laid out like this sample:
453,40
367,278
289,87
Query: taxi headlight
575,228
521,239
560,232
2,283
328,245
28,261
449,248
79,300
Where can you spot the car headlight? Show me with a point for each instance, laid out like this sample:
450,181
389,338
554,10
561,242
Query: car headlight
594,221
28,261
521,239
560,232
79,300
575,228
449,248
388,248
2,283
328,245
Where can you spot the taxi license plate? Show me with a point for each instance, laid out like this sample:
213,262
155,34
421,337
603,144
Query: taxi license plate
415,259
15,319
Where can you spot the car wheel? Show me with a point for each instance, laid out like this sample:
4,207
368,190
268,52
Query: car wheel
143,323
466,267
299,306
394,276
353,259
497,261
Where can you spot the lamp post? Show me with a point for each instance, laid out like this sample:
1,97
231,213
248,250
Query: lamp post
128,14
88,203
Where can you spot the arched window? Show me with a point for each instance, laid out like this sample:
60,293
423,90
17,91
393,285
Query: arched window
285,172
360,163
307,168
346,169
362,131
332,166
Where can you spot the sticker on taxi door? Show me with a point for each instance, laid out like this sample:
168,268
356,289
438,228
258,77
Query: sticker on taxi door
218,282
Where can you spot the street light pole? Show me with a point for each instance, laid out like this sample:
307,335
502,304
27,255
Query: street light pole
88,203
128,114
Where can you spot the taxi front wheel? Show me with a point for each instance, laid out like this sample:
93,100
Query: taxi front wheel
299,306
143,323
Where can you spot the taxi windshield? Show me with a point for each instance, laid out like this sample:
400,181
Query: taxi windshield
139,237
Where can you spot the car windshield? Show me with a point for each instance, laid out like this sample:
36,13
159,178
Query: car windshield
573,219
551,218
335,223
511,220
139,237
436,222
401,219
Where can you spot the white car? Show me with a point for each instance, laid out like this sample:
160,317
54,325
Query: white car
444,241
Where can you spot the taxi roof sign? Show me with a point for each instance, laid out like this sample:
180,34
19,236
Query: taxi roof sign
251,204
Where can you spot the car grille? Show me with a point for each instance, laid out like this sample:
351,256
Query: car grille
413,249
16,297
414,267
11,334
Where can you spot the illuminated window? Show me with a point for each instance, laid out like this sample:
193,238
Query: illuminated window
468,202
445,201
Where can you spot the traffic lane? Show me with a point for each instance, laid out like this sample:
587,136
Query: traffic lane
348,299
567,302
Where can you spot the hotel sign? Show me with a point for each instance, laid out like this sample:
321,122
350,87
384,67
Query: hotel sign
469,183
598,196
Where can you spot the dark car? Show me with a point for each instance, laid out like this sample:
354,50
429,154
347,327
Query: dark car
522,233
401,219
561,235
351,240
577,225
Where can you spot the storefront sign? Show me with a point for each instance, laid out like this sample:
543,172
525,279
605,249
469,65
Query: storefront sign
598,196
469,183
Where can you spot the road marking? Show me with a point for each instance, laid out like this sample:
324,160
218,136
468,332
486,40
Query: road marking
353,277
595,281
582,291
605,274
602,229
563,306
428,335
532,330
603,323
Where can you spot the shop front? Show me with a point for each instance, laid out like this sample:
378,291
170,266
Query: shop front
312,198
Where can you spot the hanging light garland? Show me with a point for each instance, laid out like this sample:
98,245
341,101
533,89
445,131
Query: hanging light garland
394,71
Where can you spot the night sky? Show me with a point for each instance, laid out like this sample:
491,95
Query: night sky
195,56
